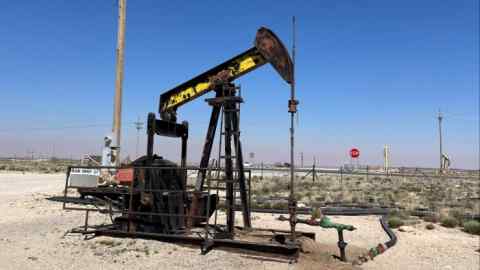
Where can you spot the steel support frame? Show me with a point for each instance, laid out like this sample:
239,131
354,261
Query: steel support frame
167,129
225,98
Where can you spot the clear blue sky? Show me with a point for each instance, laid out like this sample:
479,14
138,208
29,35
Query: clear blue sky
369,73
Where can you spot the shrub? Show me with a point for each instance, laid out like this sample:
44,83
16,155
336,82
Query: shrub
355,199
265,190
432,218
280,205
400,214
395,222
430,226
267,205
316,213
472,227
448,222
458,215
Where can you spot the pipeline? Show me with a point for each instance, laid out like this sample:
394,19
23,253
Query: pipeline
381,247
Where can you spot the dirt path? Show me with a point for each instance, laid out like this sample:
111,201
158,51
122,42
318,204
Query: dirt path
32,237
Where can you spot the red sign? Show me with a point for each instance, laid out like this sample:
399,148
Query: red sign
124,176
354,153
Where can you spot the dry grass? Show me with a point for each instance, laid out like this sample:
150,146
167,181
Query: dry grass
41,166
458,197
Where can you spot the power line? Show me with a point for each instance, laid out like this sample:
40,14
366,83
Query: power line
80,126
55,128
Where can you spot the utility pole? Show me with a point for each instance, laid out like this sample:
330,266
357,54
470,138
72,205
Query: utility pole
440,118
53,151
313,168
301,159
31,153
292,109
117,107
386,158
138,126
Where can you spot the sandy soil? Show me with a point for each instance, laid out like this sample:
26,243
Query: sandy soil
32,236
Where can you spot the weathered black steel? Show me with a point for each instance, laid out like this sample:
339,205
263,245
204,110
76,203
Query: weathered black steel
226,243
207,146
393,238
333,211
229,203
341,246
150,134
241,175
226,99
132,222
167,129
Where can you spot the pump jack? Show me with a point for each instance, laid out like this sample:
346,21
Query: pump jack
267,49
150,198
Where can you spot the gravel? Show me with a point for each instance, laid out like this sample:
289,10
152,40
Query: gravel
32,236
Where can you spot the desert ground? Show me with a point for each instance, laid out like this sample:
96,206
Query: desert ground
33,235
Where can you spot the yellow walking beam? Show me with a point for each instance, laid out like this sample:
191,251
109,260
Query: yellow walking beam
268,49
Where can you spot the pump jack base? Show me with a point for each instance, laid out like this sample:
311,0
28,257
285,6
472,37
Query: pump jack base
273,246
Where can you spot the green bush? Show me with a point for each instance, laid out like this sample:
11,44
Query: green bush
395,222
449,222
400,214
280,205
472,227
316,213
267,205
458,215
265,190
432,219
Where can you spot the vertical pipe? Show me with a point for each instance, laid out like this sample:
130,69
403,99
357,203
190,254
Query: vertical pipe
292,109
138,126
385,159
184,137
440,117
314,170
183,162
301,160
117,114
229,192
151,128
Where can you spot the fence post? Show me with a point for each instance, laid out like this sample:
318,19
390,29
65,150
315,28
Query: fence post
261,171
341,177
314,172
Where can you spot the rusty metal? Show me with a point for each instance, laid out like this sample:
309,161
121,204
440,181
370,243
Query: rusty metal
207,236
270,46
290,250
